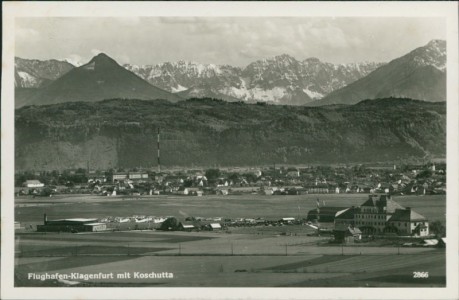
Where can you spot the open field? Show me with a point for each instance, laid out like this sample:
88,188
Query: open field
220,259
231,206
236,260
187,243
250,256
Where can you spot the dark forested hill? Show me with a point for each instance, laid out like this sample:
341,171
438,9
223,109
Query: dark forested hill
205,132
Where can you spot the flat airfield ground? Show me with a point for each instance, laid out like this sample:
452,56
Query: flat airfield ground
231,206
247,258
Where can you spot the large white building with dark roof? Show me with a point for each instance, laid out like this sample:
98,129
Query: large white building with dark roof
381,214
375,212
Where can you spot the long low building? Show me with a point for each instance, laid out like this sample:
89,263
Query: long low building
71,225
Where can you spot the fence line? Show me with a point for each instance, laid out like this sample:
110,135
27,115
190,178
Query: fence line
231,250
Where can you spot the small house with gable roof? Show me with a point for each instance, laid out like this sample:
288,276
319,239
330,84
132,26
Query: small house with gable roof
407,221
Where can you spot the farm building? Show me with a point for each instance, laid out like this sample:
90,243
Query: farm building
287,220
186,226
215,226
244,190
222,191
138,175
317,189
267,192
346,234
97,179
71,225
95,227
120,176
190,191
293,173
257,173
33,184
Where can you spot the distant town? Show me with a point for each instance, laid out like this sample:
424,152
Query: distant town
427,179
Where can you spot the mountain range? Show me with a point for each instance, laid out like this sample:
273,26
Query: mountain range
420,74
32,73
101,78
281,79
205,132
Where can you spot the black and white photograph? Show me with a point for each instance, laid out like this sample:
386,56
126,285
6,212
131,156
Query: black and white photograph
285,149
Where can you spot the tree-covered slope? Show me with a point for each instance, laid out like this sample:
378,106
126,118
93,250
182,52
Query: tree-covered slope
205,132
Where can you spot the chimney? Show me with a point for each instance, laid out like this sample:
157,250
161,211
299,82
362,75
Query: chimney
45,219
159,163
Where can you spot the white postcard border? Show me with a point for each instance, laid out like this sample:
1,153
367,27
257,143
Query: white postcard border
11,10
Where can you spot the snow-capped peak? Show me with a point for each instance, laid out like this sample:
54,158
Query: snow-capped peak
275,79
432,54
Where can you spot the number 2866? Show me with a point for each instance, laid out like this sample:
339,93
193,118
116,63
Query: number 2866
420,274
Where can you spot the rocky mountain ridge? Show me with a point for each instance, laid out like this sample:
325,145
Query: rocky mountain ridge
281,79
420,74
33,73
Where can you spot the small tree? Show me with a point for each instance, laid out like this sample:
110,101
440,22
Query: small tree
212,174
109,174
438,229
234,177
170,224
81,171
424,174
250,177
188,183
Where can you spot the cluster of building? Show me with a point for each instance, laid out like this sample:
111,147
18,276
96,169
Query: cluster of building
379,215
75,225
141,222
428,179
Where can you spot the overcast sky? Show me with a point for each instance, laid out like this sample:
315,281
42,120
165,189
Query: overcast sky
234,41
